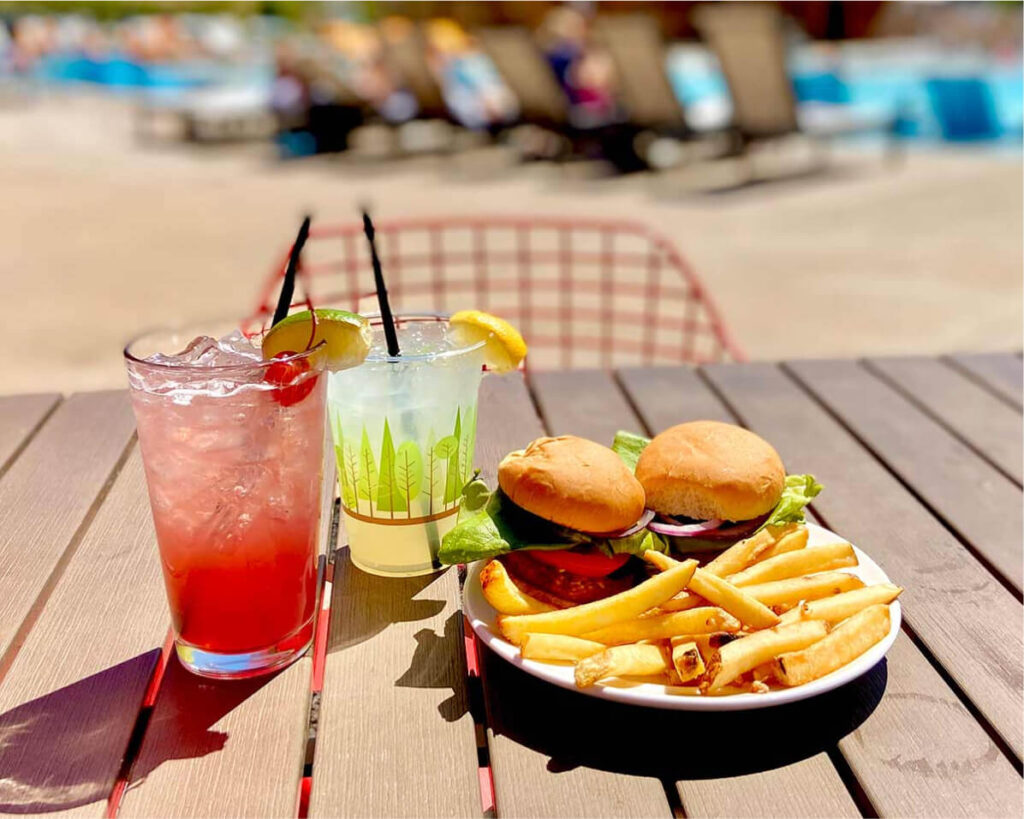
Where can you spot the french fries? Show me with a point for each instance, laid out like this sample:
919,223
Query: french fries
797,563
717,591
504,595
660,560
686,659
787,543
705,620
740,555
601,613
769,611
746,653
558,647
845,643
740,605
707,644
621,661
812,587
839,607
683,601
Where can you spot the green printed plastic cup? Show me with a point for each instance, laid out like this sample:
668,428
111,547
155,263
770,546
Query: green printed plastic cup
404,430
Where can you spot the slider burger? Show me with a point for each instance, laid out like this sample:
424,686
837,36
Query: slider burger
567,521
712,484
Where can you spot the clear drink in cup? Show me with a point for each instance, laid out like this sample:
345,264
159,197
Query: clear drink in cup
404,431
232,447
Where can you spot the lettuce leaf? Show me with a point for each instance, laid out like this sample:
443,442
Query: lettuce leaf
500,526
628,446
634,544
496,529
799,491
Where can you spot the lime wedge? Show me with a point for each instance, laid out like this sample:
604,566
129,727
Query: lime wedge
504,349
347,335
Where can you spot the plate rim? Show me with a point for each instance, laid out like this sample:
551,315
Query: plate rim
653,695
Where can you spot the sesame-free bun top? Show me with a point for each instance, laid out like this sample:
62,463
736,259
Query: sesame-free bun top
573,482
707,469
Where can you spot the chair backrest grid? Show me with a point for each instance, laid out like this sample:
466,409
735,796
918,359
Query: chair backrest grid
651,299
565,294
607,317
480,267
524,262
584,292
437,268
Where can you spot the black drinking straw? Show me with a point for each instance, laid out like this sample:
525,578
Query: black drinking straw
284,301
382,293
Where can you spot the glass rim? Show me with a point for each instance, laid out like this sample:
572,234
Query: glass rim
133,360
376,321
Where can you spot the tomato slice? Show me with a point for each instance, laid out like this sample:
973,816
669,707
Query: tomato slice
586,564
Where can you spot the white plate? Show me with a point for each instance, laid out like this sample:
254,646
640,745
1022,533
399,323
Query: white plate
483,618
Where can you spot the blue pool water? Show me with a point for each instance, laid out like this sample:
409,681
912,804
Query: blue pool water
935,96
118,72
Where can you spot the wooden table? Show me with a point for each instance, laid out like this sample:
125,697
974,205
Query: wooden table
922,462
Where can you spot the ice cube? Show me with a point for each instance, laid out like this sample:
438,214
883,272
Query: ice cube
192,353
236,343
232,349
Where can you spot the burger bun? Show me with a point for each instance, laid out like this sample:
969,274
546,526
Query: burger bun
573,482
708,469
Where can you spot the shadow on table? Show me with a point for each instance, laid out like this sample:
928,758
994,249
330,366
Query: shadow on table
364,604
577,730
63,750
437,662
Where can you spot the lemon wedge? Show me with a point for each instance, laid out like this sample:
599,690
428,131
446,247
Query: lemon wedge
347,336
505,348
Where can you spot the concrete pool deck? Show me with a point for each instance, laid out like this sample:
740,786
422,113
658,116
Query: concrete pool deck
102,237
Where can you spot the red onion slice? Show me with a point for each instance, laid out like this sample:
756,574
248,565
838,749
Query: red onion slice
708,529
642,523
685,530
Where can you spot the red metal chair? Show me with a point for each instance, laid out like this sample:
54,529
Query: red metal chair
584,292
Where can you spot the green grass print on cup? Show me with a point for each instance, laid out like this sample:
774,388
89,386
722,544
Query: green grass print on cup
406,479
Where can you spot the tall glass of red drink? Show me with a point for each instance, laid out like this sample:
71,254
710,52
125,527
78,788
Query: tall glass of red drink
232,447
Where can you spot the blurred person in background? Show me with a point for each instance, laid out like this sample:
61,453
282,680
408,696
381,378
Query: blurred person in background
368,74
33,39
584,70
472,89
315,110
289,97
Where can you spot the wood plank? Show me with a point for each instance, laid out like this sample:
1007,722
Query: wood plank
394,735
235,748
980,419
582,402
215,748
69,701
973,498
763,793
527,717
805,788
48,493
1002,373
959,611
19,417
922,753
666,396
897,765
